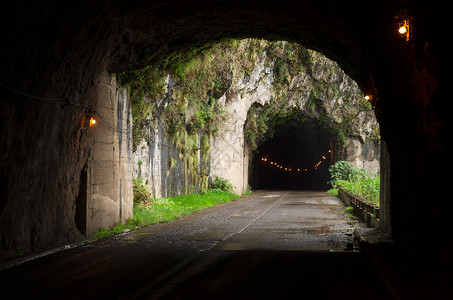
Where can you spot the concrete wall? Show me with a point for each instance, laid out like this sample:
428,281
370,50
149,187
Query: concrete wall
365,155
109,168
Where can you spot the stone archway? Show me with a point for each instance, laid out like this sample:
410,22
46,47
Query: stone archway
57,51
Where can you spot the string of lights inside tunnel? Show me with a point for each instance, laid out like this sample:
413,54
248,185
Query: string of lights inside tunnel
287,168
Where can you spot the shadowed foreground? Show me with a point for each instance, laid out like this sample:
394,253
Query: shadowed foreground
268,245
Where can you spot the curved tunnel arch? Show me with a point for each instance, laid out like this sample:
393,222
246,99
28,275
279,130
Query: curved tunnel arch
291,159
92,36
346,38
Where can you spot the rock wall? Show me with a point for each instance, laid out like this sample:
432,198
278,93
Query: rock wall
229,156
365,155
57,50
64,204
157,161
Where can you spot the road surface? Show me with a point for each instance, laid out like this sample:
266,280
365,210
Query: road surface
268,245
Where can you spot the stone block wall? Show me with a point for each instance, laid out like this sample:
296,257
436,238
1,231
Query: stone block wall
109,198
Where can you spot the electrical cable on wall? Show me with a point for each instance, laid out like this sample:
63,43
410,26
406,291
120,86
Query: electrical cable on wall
29,96
93,112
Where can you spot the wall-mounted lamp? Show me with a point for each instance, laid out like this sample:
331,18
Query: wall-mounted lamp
404,21
92,121
404,30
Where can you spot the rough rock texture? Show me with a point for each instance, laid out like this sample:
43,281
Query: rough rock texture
152,161
228,154
54,49
339,101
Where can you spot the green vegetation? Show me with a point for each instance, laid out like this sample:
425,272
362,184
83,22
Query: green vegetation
148,211
297,103
141,192
344,170
104,233
333,192
350,213
168,209
200,76
355,180
349,210
222,185
181,94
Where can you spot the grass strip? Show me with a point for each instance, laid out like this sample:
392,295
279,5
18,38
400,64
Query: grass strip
165,210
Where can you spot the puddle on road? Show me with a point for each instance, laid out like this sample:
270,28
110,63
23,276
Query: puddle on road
322,230
314,202
271,196
316,230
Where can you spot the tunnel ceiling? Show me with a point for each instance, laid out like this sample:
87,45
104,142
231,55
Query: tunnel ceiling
119,35
153,31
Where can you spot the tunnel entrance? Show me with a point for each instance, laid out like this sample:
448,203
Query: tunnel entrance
296,157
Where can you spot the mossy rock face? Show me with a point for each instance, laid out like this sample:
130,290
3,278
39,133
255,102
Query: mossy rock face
189,92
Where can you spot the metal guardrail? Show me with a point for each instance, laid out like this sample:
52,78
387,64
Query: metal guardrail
365,210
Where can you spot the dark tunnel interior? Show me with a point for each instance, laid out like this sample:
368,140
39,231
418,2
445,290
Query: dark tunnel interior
57,51
295,157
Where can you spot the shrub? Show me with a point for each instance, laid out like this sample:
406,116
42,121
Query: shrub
344,170
221,184
355,180
366,186
341,170
141,192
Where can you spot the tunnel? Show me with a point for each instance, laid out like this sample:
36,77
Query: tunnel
297,157
53,53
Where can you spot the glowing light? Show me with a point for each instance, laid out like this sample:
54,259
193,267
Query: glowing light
92,121
367,97
402,29
298,168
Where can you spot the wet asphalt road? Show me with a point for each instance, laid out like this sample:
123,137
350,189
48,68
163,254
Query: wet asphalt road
268,245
